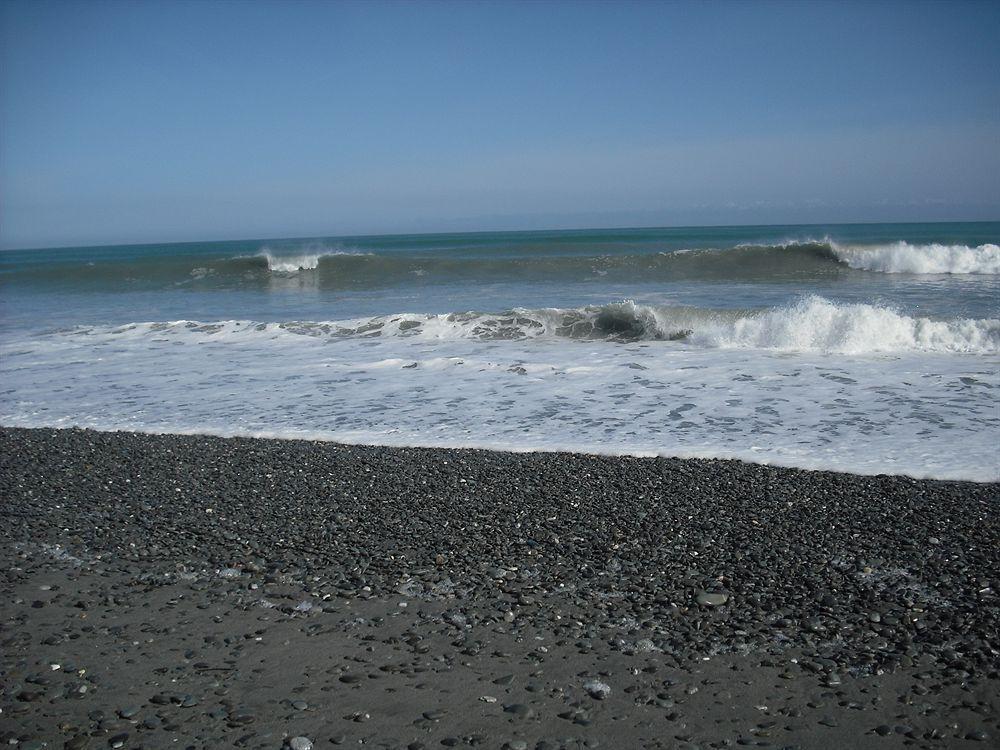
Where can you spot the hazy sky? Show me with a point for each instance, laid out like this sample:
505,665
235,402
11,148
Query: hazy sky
147,121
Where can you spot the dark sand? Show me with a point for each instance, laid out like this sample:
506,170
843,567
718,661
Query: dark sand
173,591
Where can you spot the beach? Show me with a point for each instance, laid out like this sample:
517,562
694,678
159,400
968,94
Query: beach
507,375
192,591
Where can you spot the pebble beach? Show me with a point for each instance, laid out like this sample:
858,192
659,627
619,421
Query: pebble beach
499,376
188,591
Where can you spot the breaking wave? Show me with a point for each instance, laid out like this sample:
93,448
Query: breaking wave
291,264
816,324
902,257
335,269
813,324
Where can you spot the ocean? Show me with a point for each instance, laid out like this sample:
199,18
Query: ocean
869,348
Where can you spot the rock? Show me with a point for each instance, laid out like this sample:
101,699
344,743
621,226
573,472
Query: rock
519,710
644,646
597,690
300,743
716,599
240,718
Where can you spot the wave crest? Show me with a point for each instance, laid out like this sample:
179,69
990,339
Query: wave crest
813,324
334,268
291,264
816,324
307,261
902,257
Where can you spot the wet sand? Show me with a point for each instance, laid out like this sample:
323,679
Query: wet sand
186,591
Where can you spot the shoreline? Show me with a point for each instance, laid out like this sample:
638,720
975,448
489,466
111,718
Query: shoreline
243,591
324,438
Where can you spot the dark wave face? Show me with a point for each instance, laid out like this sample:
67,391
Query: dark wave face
620,257
338,269
810,324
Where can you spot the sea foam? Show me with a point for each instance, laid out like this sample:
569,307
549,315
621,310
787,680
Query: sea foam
307,261
812,324
733,389
817,324
292,264
903,257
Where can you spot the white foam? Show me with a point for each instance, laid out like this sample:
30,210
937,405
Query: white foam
292,263
926,414
813,324
902,257
307,261
920,413
817,325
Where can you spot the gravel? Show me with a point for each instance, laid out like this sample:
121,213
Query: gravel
186,586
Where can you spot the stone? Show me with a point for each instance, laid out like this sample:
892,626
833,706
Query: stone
597,690
519,710
716,599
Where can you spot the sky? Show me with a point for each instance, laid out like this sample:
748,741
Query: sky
156,121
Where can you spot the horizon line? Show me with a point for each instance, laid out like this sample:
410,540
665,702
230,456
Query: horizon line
376,235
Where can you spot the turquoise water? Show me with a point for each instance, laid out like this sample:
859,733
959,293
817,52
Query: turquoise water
738,266
857,347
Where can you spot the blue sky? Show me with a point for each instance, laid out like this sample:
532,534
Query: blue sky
161,121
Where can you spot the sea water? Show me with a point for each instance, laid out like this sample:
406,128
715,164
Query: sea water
863,348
